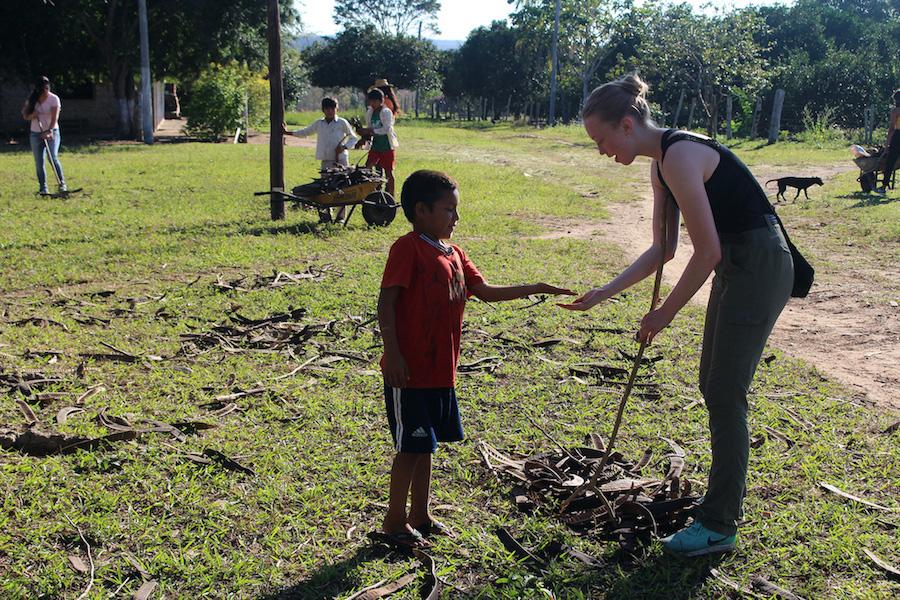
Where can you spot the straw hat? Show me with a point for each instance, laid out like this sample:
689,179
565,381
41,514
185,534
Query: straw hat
379,83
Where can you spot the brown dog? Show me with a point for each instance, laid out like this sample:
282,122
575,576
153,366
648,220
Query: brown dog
801,183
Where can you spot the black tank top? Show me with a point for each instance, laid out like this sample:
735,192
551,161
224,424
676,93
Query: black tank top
737,200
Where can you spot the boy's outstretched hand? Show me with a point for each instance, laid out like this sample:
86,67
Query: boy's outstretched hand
395,371
546,288
587,300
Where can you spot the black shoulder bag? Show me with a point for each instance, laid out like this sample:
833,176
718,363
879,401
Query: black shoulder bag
803,271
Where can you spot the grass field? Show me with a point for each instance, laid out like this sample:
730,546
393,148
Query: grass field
136,263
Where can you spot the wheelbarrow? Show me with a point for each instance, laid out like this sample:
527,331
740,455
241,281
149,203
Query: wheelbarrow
342,187
870,162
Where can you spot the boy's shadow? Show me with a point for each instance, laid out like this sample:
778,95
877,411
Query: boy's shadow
335,579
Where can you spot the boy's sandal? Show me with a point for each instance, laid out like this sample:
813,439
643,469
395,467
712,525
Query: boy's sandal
435,527
402,540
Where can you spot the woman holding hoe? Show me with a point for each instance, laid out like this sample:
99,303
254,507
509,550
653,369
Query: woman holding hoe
734,232
42,110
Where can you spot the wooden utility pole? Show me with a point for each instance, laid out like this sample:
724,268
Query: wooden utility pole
775,122
551,118
728,115
276,110
677,115
690,123
146,99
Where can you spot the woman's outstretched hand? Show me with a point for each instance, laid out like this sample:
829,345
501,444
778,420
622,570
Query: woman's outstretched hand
652,323
586,301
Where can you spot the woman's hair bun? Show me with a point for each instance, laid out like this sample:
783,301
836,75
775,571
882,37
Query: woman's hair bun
635,85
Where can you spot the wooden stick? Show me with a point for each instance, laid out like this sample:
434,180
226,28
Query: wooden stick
595,476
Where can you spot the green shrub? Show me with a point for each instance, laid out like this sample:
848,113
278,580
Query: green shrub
217,100
819,128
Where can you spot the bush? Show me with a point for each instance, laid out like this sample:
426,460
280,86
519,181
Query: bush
819,128
217,100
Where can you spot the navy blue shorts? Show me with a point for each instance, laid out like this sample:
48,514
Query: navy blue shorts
419,418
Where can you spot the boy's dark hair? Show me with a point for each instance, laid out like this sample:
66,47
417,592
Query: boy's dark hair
375,94
329,102
896,96
426,187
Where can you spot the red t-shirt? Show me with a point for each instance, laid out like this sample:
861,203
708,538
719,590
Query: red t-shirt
430,307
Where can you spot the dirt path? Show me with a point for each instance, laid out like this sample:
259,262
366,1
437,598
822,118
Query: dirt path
845,327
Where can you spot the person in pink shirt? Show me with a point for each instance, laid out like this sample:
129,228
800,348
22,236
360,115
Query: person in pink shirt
42,110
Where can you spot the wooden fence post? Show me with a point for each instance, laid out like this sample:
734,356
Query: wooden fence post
775,122
757,110
728,107
869,120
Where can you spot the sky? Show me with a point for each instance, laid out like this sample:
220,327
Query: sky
458,17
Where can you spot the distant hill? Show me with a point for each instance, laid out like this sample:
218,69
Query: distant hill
308,39
447,44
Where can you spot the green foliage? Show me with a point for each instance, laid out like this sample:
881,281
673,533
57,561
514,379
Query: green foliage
707,55
216,105
296,80
490,64
840,55
356,56
389,17
591,32
819,127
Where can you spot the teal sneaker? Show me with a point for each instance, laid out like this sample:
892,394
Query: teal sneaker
697,540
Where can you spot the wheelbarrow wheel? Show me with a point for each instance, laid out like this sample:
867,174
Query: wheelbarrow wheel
867,182
379,209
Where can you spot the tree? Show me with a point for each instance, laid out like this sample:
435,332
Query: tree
97,41
355,57
838,56
590,32
396,17
710,55
490,64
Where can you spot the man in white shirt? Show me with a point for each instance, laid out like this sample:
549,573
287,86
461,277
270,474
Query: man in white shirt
334,136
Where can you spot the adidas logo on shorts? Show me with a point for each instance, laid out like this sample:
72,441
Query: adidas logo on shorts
419,433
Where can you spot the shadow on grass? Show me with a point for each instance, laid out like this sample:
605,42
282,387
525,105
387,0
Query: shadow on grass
864,200
304,227
84,144
334,579
657,576
661,576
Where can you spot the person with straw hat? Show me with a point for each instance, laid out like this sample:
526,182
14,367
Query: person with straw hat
380,126
390,95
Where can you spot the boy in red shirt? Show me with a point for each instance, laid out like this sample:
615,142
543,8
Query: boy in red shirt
420,307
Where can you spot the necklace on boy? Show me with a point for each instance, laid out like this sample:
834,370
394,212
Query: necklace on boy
444,248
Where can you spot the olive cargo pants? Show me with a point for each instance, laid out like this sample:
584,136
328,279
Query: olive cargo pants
751,287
